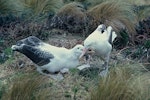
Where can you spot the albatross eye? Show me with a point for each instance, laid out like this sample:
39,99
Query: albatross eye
102,31
89,50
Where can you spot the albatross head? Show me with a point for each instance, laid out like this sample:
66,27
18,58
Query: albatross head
78,49
101,28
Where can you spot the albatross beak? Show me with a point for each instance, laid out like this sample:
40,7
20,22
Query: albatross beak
84,51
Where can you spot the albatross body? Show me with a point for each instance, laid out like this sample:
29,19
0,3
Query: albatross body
47,57
63,58
101,42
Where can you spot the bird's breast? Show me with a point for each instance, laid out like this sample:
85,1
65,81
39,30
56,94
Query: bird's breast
103,48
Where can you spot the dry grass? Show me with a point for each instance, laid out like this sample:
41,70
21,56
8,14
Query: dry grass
26,88
118,14
3,7
30,8
123,83
68,8
37,7
9,7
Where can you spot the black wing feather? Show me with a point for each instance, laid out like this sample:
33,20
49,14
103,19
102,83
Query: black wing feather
36,55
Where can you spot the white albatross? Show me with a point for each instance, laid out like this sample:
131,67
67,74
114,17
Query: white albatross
101,42
47,57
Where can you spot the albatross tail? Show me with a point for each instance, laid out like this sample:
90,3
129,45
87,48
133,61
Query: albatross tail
111,34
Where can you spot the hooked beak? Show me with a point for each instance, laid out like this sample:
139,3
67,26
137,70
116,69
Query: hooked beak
83,53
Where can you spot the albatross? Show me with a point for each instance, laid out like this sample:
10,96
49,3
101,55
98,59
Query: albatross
48,57
101,42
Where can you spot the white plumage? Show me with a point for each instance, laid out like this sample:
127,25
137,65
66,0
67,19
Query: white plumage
101,42
63,58
47,57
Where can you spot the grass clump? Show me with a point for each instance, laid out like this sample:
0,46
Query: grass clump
9,6
26,87
117,14
30,9
71,17
123,83
41,7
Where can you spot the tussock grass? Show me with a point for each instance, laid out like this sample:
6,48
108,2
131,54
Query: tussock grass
3,6
118,14
71,17
123,83
30,8
36,7
26,87
9,7
72,6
